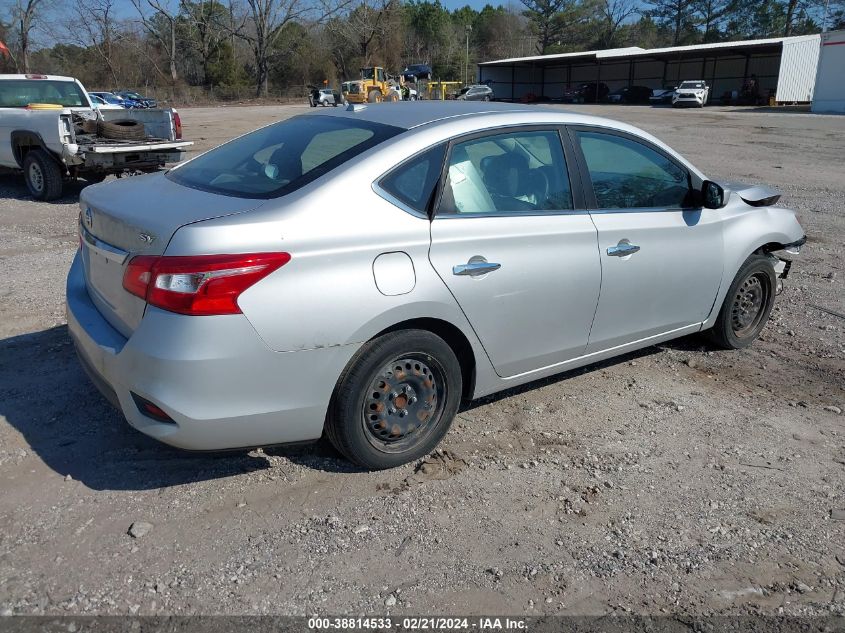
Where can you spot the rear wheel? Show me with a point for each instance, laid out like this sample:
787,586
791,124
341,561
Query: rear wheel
43,175
747,305
395,400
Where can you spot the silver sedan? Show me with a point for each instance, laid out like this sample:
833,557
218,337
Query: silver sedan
359,273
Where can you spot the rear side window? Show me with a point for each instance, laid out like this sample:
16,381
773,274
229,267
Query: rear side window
414,181
514,172
281,158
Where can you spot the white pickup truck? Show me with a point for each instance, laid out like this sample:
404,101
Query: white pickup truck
50,133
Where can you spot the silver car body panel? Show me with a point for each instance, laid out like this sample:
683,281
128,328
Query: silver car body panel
557,302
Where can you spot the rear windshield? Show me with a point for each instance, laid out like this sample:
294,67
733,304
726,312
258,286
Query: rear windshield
281,158
19,93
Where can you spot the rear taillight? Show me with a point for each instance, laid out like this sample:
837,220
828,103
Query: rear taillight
177,125
201,284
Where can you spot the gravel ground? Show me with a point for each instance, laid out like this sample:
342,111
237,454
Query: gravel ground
679,479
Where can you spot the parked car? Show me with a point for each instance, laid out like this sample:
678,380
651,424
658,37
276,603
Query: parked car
415,72
190,284
480,92
145,102
98,103
662,96
113,99
630,94
694,93
592,92
51,133
324,97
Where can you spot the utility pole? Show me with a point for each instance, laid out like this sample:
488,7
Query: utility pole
466,63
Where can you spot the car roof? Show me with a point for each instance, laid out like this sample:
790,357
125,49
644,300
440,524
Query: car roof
411,114
416,115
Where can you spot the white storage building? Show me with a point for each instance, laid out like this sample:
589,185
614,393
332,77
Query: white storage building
784,67
830,79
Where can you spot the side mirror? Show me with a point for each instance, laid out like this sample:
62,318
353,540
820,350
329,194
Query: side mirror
712,195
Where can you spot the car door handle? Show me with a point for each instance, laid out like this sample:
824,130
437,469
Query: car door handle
622,249
473,269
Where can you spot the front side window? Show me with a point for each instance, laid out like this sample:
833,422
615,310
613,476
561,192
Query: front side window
517,172
629,175
281,158
414,181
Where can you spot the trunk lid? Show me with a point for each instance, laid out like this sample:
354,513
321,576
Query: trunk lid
137,216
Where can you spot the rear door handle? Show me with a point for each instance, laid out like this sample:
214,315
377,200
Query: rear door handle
473,269
622,249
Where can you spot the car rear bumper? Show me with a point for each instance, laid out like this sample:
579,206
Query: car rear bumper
214,377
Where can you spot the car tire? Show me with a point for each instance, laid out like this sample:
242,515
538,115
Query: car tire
747,305
43,175
122,130
374,96
395,400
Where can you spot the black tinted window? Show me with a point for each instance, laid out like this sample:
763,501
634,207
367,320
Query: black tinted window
413,182
281,158
627,174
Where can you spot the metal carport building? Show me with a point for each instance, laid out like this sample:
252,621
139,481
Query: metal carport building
785,66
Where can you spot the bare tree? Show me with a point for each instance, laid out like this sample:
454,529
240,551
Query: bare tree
613,13
209,22
24,15
162,26
265,21
94,27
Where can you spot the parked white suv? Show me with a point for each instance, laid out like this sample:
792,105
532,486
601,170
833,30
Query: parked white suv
694,93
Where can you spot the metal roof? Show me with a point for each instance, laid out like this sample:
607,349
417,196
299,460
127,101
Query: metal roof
636,51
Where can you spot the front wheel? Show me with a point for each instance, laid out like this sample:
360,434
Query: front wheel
395,400
747,305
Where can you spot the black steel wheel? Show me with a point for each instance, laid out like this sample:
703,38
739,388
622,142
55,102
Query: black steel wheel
403,402
395,400
747,304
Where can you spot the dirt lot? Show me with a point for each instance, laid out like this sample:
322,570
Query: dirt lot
678,479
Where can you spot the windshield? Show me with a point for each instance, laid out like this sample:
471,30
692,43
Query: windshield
367,73
19,93
691,85
281,158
